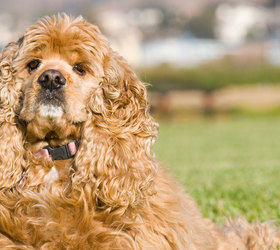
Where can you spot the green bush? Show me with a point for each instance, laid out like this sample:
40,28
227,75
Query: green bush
209,77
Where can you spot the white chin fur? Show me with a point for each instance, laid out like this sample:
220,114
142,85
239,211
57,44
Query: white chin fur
51,111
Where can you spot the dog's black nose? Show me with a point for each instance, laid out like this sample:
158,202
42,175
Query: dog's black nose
51,79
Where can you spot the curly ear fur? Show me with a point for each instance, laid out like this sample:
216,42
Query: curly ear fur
118,139
11,137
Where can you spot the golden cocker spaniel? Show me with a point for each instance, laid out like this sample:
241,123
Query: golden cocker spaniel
77,170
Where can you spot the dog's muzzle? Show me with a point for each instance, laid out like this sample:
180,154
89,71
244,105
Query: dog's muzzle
52,83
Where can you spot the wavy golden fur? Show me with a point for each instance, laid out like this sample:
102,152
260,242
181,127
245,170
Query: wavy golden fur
112,194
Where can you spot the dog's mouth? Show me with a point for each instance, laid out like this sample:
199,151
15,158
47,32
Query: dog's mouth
51,98
50,103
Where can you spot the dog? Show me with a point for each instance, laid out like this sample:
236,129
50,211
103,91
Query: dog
77,171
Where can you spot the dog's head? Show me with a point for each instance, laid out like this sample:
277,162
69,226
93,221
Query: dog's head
60,63
62,81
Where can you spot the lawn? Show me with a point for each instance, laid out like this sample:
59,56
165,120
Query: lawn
231,167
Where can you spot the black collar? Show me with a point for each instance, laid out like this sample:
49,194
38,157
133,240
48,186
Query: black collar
64,152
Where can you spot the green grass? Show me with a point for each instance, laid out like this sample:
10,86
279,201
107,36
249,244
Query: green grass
231,167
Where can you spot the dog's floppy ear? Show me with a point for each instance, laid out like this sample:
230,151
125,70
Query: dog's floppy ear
115,150
11,137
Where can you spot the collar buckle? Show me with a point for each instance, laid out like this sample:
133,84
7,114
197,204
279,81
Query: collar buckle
63,152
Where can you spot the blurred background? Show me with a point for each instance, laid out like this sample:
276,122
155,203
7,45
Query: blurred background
214,70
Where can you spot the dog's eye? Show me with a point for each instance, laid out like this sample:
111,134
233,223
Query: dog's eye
79,68
33,65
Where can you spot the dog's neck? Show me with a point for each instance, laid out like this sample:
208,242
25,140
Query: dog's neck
54,161
51,148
